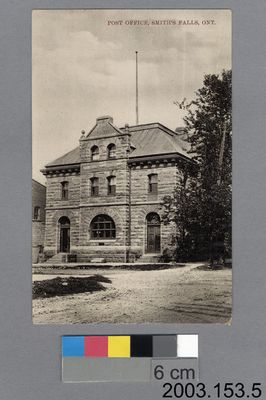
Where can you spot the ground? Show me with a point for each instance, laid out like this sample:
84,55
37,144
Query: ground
185,294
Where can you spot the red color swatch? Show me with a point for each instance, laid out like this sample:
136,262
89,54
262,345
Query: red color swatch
96,346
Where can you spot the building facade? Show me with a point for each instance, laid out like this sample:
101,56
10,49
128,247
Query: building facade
104,197
38,219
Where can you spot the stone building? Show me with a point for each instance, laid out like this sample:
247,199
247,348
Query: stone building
103,198
38,219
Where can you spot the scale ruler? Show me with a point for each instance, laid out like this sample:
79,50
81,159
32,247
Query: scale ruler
128,358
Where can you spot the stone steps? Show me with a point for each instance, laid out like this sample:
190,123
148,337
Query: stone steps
101,257
57,258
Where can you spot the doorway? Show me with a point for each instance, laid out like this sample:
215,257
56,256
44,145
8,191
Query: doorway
153,233
64,226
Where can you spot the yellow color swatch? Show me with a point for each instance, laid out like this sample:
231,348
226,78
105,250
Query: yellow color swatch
118,346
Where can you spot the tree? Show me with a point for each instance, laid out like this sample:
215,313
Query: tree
181,209
201,206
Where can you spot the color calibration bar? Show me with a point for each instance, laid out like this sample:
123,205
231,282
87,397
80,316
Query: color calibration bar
119,358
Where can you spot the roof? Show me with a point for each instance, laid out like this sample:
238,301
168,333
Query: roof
147,140
104,128
38,183
155,139
72,157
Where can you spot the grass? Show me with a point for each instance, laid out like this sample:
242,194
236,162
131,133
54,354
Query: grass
69,285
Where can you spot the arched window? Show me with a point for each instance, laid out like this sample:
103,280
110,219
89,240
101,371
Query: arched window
111,185
153,219
102,227
37,213
153,183
111,150
94,186
64,190
94,153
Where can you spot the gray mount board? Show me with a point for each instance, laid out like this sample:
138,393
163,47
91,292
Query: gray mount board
78,369
30,355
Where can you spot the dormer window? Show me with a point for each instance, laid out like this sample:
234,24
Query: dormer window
95,153
153,184
111,185
111,150
94,187
64,190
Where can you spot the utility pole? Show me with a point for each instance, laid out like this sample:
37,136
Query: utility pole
137,91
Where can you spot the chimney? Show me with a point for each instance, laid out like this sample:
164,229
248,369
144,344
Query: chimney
181,132
126,128
104,120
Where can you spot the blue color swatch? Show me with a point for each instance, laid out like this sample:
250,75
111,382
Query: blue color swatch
73,346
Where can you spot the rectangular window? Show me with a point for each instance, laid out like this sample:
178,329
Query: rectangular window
153,183
111,190
37,213
94,186
64,190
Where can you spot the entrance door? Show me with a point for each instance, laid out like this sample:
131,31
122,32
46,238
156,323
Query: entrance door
153,233
64,224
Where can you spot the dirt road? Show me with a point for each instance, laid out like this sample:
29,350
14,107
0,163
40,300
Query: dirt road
179,295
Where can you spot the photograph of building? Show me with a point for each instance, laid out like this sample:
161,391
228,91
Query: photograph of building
104,197
132,149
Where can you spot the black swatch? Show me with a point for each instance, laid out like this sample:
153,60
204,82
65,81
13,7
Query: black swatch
141,346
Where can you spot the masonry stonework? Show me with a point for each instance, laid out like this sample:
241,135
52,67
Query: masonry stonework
133,168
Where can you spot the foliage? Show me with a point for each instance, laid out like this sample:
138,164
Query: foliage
200,205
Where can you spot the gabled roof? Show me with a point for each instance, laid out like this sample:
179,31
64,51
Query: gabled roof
104,128
146,140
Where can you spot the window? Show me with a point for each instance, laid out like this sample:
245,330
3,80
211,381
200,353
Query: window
95,153
94,186
111,148
37,213
64,190
102,227
153,183
111,186
153,219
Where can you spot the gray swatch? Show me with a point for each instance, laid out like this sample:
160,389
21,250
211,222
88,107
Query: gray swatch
81,369
164,346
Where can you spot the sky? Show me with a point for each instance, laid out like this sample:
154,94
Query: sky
83,67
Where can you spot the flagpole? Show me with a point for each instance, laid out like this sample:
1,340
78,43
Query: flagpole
137,91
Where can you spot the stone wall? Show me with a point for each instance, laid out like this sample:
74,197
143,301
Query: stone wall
54,191
143,203
167,180
52,231
102,170
117,207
